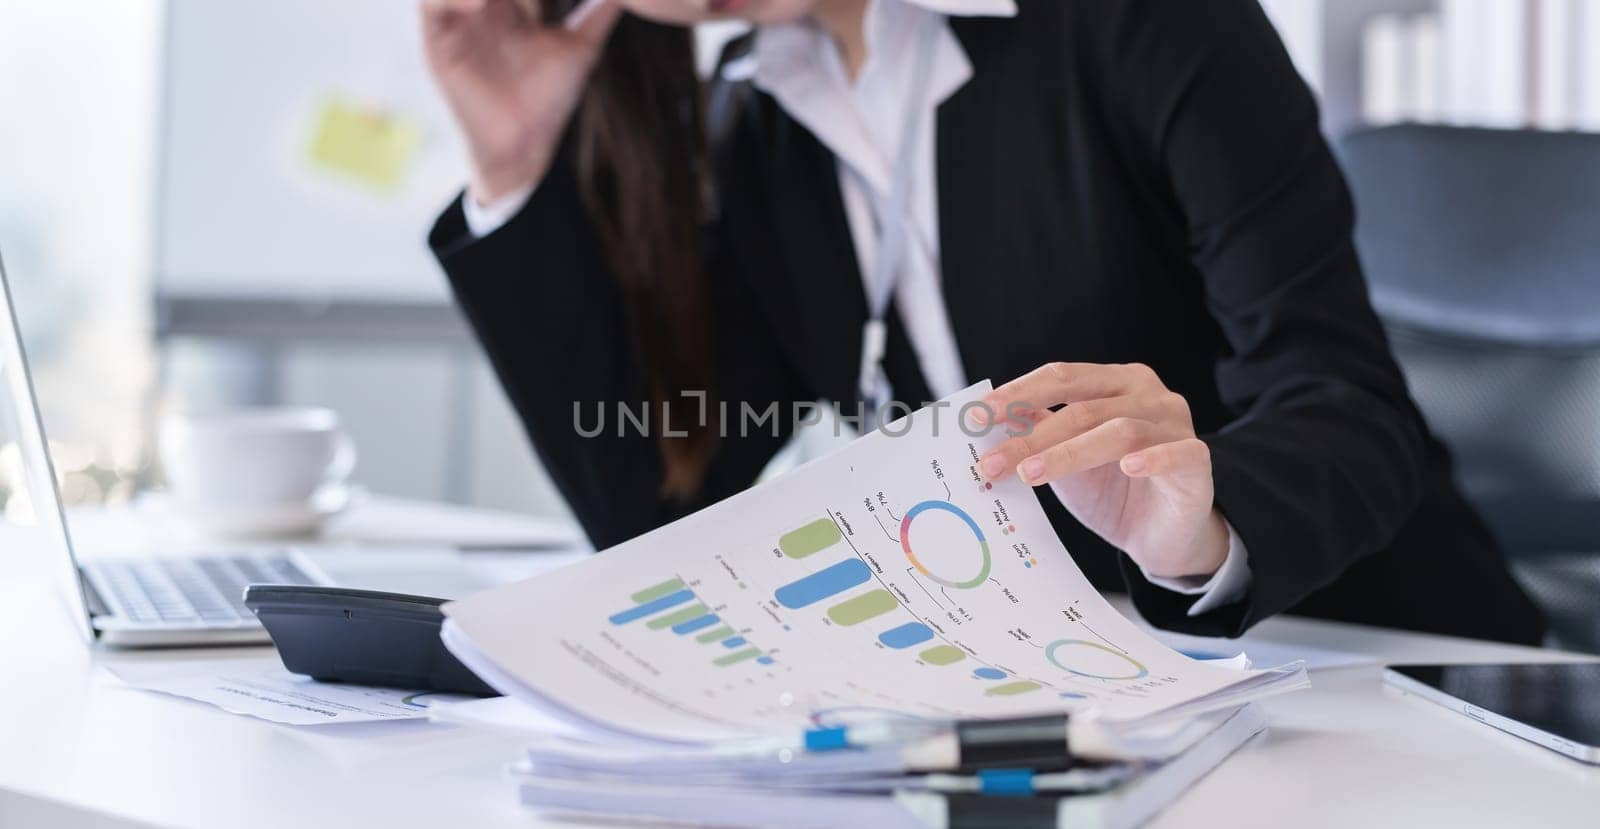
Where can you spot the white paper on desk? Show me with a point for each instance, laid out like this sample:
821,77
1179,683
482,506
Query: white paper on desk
262,689
504,714
1261,652
886,579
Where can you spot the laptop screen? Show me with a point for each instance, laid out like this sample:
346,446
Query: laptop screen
30,506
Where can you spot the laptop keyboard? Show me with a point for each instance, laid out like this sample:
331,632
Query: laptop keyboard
202,590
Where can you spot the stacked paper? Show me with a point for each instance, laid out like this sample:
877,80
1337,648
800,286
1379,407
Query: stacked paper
888,580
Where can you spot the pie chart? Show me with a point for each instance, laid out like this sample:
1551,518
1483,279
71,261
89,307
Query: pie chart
943,543
1093,660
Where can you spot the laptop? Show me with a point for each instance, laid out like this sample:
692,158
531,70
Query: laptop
157,601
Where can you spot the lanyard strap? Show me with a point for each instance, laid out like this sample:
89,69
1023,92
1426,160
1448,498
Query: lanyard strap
894,227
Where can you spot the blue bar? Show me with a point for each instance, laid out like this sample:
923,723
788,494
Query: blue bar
1006,782
733,642
696,624
823,583
989,673
908,634
652,608
827,739
764,660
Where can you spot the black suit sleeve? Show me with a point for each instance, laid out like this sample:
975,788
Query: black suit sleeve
550,315
1324,462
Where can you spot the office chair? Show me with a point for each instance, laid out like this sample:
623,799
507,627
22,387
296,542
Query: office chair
1482,248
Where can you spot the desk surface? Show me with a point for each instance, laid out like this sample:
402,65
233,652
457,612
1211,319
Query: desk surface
81,749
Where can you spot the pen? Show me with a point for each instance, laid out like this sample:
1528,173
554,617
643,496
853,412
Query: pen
1026,782
834,738
869,734
1044,743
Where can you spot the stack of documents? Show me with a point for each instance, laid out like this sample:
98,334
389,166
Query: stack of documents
887,585
716,786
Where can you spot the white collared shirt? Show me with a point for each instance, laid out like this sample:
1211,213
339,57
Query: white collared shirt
799,65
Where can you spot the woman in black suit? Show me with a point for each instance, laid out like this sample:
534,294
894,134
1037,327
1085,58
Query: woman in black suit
1127,205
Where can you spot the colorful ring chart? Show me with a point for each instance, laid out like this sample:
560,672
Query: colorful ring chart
945,506
1139,670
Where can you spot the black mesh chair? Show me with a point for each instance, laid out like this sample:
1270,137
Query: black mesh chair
1483,251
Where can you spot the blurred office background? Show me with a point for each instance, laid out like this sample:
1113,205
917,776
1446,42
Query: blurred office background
208,203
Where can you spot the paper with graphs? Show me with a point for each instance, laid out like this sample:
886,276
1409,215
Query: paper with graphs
886,579
261,688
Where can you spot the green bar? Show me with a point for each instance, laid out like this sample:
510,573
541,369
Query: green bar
693,611
1011,689
736,657
650,594
862,608
942,655
812,538
717,635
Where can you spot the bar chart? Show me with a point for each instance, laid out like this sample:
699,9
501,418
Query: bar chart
906,635
823,584
945,546
1011,689
897,581
844,576
811,539
837,579
672,606
942,655
862,608
839,582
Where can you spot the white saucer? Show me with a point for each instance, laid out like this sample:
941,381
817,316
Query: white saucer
299,519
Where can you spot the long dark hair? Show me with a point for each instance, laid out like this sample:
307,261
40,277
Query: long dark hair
640,141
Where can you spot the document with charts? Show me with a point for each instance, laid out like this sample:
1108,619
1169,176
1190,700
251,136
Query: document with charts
887,579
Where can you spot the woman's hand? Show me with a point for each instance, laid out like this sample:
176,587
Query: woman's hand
512,82
1122,455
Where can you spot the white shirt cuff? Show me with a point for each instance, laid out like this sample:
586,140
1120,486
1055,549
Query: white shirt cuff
484,219
1224,587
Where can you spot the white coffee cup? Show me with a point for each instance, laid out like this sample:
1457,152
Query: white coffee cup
254,457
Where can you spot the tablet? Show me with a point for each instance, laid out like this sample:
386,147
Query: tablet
1554,705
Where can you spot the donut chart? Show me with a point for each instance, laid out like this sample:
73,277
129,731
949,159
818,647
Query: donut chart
982,549
1105,659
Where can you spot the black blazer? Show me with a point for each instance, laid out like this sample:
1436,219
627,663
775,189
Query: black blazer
1120,181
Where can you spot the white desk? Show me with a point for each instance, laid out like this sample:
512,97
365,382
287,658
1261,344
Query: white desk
79,749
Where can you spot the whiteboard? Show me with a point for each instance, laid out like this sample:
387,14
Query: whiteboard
243,212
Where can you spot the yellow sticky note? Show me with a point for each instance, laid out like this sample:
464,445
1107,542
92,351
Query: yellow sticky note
368,145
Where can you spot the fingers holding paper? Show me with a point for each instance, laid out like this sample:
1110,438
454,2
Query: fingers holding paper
1120,450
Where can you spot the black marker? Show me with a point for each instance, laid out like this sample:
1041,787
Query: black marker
966,811
1046,743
